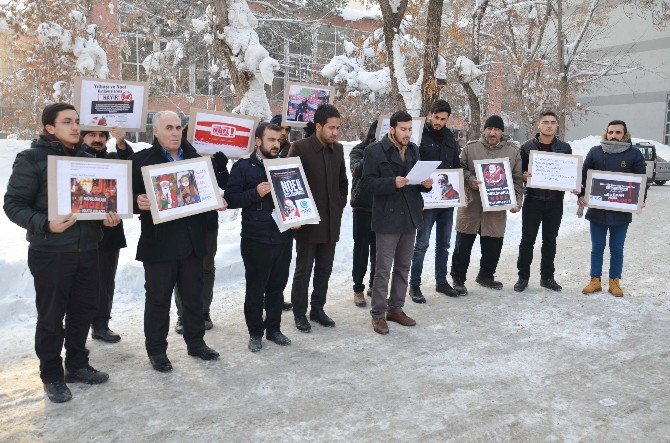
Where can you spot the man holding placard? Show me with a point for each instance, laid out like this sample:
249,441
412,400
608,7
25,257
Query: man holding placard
540,206
62,256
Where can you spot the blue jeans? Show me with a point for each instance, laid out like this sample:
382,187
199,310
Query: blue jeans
598,240
445,220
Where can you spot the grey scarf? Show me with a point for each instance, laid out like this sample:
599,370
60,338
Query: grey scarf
613,147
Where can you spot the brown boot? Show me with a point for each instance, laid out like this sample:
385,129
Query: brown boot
400,317
615,288
593,286
359,299
379,325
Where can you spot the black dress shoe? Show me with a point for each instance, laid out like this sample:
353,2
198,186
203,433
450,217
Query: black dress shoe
416,295
255,344
204,352
303,324
459,287
446,289
521,284
286,306
278,338
489,282
106,335
550,283
321,318
57,391
208,322
86,375
160,362
179,327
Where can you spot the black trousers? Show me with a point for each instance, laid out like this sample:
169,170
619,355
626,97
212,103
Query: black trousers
311,255
548,214
209,272
108,261
491,248
66,287
160,279
266,269
365,247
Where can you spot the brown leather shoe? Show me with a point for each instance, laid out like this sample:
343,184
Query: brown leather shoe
400,317
379,325
359,299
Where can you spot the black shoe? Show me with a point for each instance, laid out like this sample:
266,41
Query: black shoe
489,282
459,287
286,306
208,322
521,284
255,344
278,338
86,375
204,352
550,283
179,327
106,335
57,391
416,295
160,362
321,318
446,289
303,324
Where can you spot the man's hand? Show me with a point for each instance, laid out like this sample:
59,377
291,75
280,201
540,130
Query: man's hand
111,220
263,189
400,182
581,202
474,184
224,206
61,223
515,209
295,228
143,202
120,135
220,160
427,183
576,192
527,175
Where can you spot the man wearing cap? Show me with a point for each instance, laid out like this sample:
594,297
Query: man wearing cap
472,220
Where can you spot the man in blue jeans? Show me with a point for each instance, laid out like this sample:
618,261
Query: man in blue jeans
437,144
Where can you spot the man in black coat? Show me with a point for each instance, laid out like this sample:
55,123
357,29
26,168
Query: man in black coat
396,215
113,239
62,256
266,252
172,252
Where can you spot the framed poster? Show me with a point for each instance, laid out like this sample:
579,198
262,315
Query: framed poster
212,131
89,188
551,170
294,204
384,125
106,103
182,188
301,101
615,191
497,187
447,190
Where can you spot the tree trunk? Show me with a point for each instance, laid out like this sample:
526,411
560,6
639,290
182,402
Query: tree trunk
239,79
563,84
391,28
475,112
429,88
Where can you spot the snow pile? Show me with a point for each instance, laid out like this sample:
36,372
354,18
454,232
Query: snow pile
467,70
352,15
348,70
583,145
171,55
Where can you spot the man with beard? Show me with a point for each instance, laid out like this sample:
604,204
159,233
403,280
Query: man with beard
113,238
284,144
437,144
266,251
472,220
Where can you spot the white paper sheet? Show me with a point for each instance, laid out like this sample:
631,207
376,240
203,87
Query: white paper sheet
421,171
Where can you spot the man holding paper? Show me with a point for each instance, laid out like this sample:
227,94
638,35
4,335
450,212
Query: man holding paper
396,216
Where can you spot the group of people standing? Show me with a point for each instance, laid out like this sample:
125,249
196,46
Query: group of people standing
71,259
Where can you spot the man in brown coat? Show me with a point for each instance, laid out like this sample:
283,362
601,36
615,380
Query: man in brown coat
472,220
323,161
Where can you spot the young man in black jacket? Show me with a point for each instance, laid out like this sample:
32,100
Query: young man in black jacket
62,256
266,252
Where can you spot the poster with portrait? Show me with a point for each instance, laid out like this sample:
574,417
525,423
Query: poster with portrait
294,204
214,131
301,101
89,188
551,170
181,188
496,188
105,103
447,192
384,125
615,191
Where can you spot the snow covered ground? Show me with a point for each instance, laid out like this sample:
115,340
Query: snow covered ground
490,366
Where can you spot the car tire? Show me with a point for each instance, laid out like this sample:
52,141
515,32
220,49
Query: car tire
660,182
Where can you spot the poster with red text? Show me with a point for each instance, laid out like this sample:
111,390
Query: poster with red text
215,131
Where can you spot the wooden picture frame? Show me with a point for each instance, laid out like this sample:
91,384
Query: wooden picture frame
293,88
497,186
594,193
555,171
223,132
384,124
436,198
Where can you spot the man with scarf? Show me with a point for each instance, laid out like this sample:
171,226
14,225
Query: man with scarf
615,153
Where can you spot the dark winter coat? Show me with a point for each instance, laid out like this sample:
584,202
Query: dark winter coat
394,211
534,144
283,149
630,160
257,221
440,146
172,240
327,177
221,173
360,201
26,202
